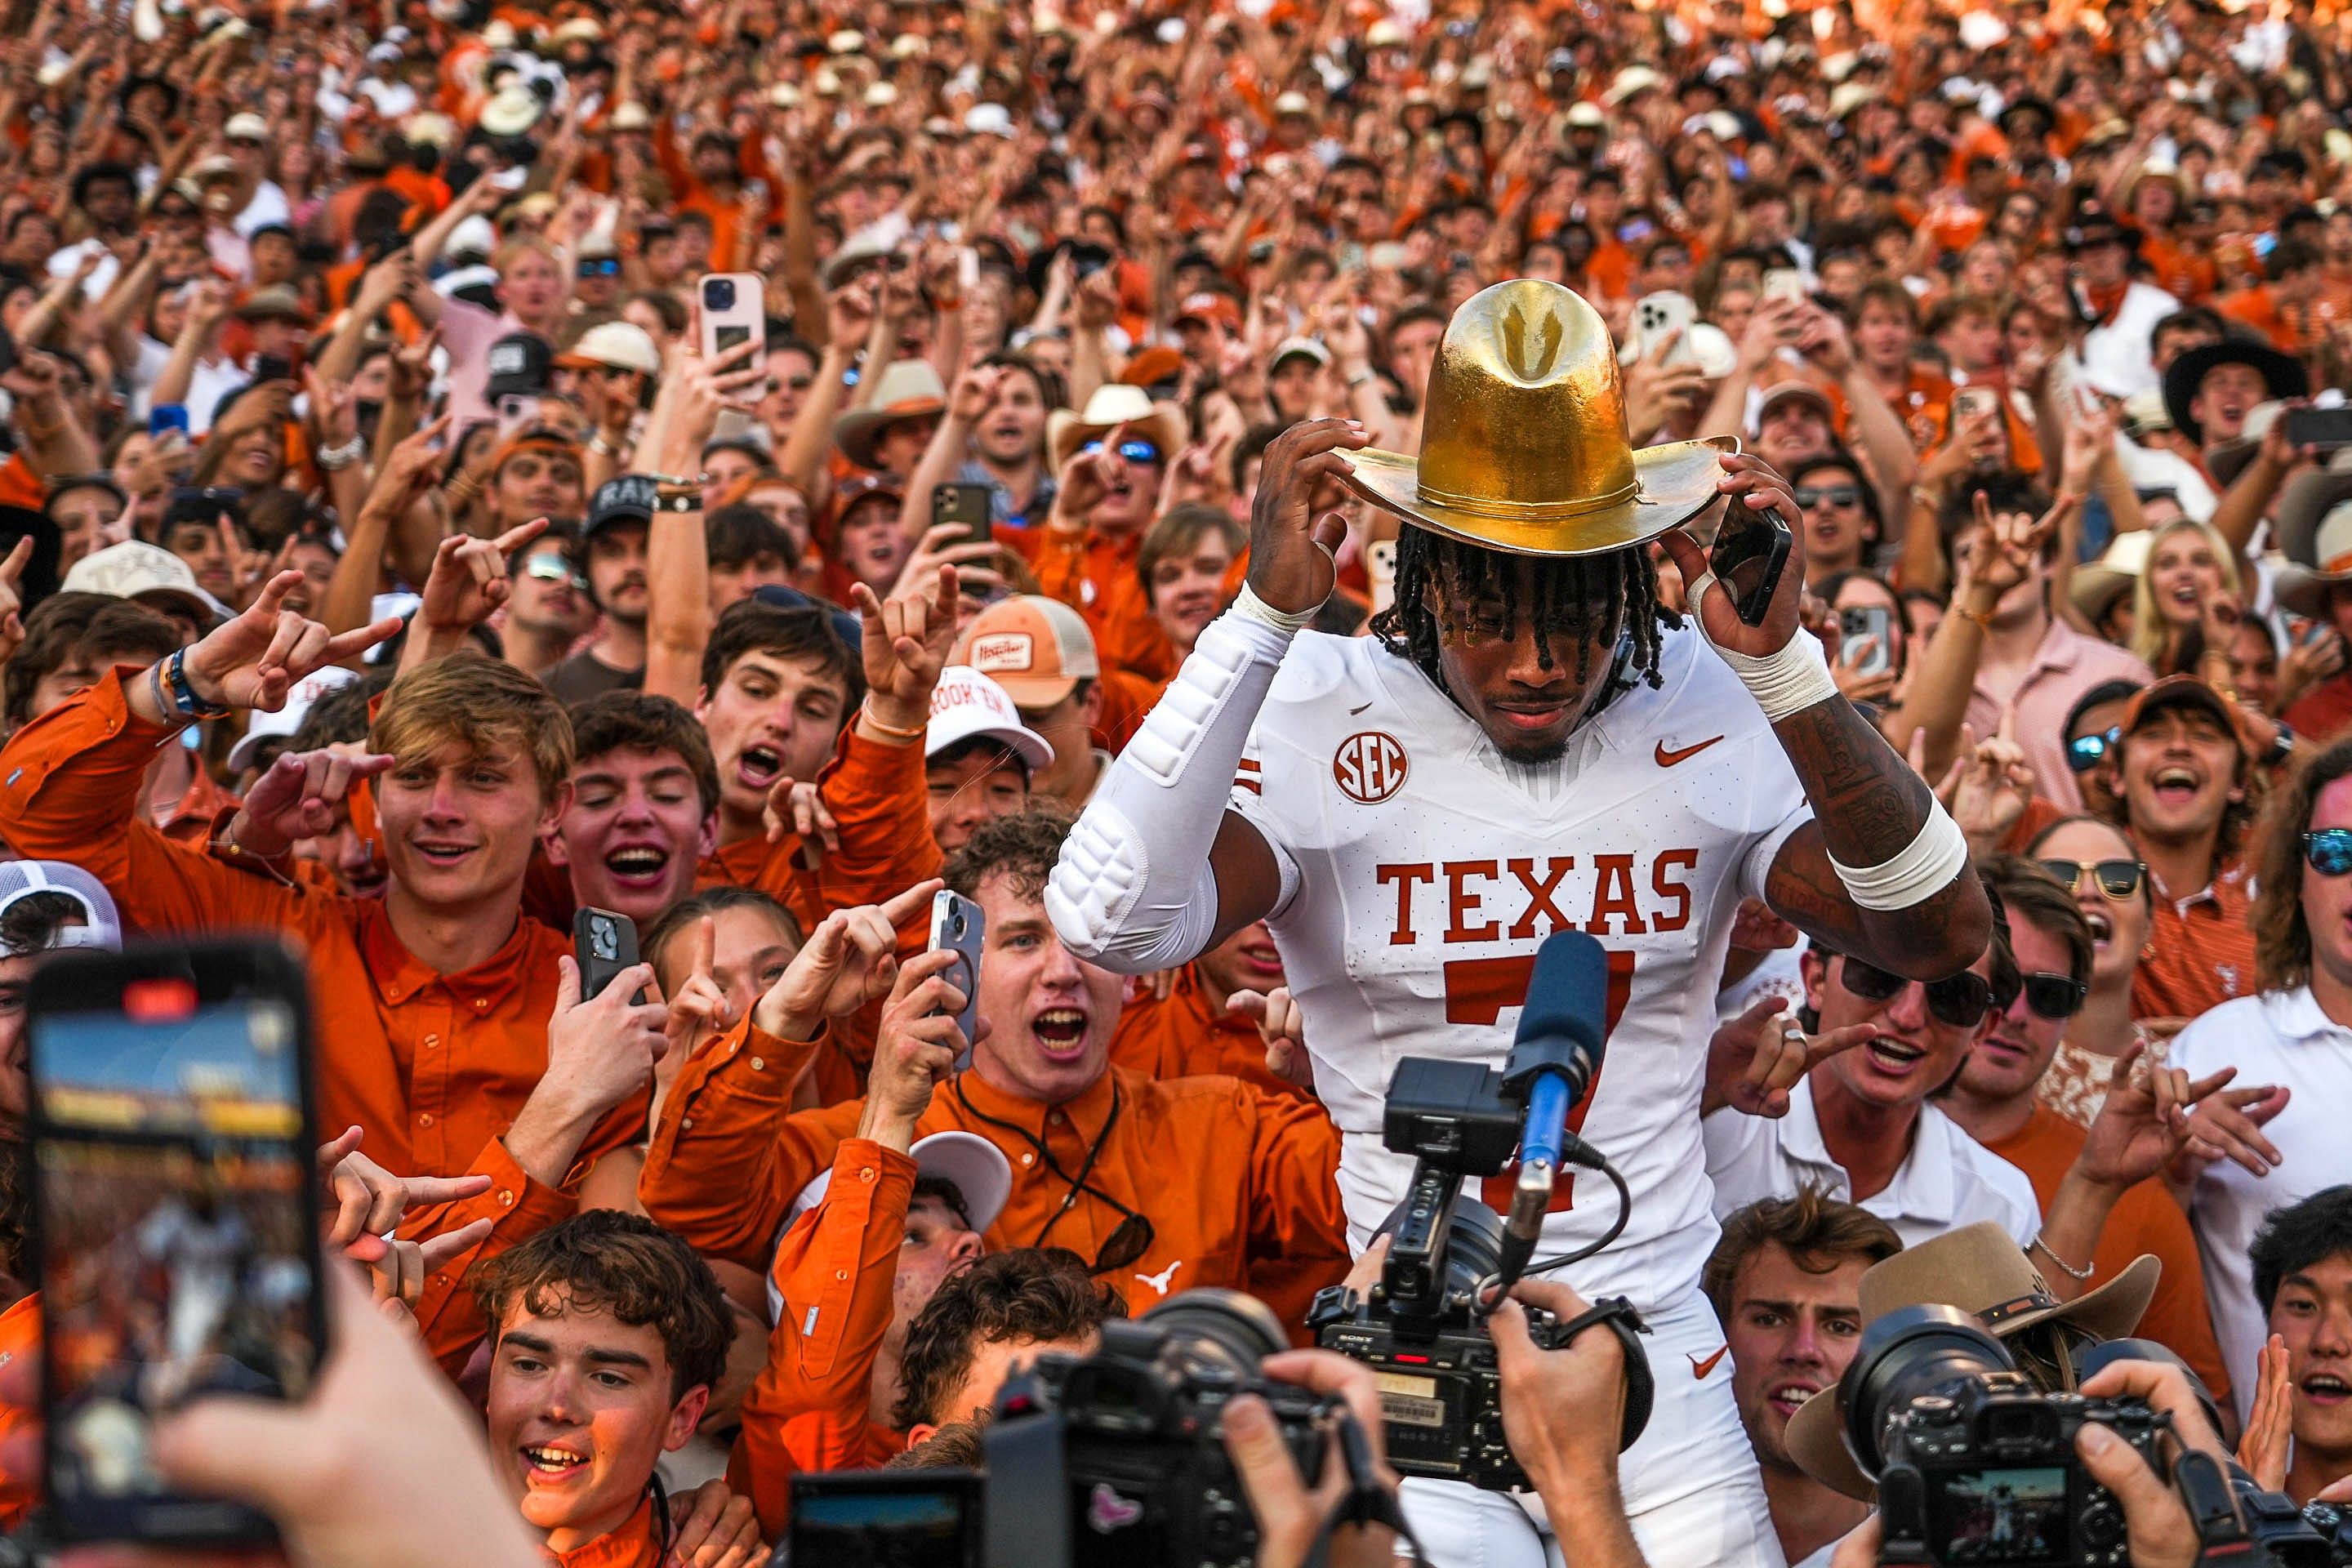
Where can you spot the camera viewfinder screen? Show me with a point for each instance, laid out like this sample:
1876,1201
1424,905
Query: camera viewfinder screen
176,1203
879,1530
2014,1514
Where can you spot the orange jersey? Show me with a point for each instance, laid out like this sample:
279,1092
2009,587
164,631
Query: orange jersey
836,1270
434,1067
1188,1033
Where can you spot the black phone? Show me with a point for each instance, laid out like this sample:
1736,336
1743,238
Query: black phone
271,367
7,352
967,504
958,924
603,944
907,1518
2321,427
1751,548
175,1215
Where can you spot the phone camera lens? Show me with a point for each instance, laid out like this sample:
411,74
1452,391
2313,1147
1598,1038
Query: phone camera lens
719,293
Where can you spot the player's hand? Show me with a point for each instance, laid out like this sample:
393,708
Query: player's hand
850,959
1749,486
1754,1061
253,660
1291,550
1282,1026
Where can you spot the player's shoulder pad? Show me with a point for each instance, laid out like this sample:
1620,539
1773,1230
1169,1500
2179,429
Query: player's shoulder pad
1319,665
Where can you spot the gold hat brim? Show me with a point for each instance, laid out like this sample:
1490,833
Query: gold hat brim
1674,483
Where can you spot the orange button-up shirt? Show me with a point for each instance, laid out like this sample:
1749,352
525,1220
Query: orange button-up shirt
636,1544
2200,949
1225,1172
836,1270
433,1067
1095,575
1188,1033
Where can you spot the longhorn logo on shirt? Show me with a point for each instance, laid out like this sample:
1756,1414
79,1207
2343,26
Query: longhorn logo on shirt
1369,767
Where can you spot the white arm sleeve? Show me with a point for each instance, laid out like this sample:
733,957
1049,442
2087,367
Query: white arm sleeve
1134,891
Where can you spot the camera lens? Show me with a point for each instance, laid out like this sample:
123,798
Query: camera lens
719,293
1213,1328
1902,1356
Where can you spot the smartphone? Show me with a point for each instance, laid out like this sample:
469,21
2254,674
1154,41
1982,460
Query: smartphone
966,504
603,944
175,1215
1784,283
1751,547
517,411
1379,570
1862,645
957,924
1655,315
909,1519
2325,428
509,179
167,416
1973,402
7,352
271,367
734,310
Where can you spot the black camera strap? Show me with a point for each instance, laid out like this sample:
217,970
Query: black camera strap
1369,1501
1619,1317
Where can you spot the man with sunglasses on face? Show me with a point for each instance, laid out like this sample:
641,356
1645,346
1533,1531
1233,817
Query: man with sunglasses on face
548,606
1860,1126
1994,1100
2095,739
1109,463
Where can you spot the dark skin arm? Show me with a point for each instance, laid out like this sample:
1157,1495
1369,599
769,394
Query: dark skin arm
1868,806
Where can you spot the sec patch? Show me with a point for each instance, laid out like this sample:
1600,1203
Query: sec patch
1369,767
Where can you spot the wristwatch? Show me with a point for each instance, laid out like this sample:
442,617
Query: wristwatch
677,493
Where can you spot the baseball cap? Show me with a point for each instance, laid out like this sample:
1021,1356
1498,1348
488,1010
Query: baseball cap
262,725
966,704
1208,305
20,880
518,365
1783,391
2179,691
246,127
135,569
1037,648
619,345
625,498
280,302
982,1174
1300,348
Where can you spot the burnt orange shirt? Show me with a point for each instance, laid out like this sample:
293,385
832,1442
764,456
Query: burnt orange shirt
20,1335
1189,1033
2200,949
2146,1219
1095,575
433,1067
1225,1172
836,1270
636,1544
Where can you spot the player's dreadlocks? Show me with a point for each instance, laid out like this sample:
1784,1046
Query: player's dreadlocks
1570,593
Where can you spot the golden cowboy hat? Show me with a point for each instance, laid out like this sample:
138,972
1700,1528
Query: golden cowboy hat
1522,444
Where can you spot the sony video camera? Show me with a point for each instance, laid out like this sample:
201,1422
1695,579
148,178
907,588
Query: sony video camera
1974,1464
1423,1329
1117,1460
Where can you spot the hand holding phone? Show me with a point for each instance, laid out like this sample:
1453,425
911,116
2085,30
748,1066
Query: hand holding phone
966,506
1751,549
959,926
603,944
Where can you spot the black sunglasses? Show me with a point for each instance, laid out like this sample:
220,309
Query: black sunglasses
1960,1000
2084,752
2118,879
2054,995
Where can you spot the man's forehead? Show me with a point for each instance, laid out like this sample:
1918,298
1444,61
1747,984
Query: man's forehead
592,1332
629,762
1774,1273
794,669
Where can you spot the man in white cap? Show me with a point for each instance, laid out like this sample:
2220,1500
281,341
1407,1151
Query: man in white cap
44,905
978,758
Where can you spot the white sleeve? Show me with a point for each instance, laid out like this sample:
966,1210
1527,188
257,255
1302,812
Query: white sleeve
1134,891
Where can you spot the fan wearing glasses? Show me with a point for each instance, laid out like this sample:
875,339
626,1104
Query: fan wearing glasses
1842,522
2184,770
2094,746
2105,1183
548,608
1860,1127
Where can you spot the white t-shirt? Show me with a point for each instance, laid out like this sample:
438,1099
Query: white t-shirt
1946,1181
2277,1038
1429,869
2118,357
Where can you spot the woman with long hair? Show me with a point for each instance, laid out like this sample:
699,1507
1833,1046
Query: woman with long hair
2186,604
2111,888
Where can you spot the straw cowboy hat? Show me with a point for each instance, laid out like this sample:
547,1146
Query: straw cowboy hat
2096,587
1113,405
1979,1269
2315,531
905,389
1523,446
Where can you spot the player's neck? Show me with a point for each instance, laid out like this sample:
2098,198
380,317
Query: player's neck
1869,1140
1807,1515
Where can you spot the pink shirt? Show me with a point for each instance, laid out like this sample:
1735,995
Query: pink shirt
2066,665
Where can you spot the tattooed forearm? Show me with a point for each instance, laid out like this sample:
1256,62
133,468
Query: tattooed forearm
1868,801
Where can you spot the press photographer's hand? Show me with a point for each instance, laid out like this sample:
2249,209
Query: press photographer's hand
1290,1516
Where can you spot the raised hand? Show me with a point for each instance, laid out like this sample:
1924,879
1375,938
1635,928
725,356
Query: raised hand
12,598
1754,1061
848,961
602,1050
297,797
1752,485
2145,1123
796,805
1282,1028
904,643
916,1046
700,1009
468,581
951,544
1291,565
253,660
2269,1425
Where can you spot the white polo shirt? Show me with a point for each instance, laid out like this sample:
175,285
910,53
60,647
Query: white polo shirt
2277,1038
1948,1180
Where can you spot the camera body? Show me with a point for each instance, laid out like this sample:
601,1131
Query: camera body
1117,1460
1418,1330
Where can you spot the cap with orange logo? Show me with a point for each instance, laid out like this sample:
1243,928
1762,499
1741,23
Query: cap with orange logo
1037,649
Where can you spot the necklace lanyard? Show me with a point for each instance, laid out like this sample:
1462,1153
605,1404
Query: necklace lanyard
1077,1184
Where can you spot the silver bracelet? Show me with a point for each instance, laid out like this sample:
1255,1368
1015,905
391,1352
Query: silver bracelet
2065,1267
336,458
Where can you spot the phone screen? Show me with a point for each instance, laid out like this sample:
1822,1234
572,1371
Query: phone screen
176,1203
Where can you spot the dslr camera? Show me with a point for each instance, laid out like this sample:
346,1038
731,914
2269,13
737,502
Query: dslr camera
1117,1460
1422,1329
1975,1464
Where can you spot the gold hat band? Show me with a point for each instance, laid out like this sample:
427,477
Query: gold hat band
1527,511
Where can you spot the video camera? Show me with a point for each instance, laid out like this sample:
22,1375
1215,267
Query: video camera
1451,1257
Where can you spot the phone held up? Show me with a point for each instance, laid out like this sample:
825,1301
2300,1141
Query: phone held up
603,944
1751,548
959,926
966,505
175,1215
734,307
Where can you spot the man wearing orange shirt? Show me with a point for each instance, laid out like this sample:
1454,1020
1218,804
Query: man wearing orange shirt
450,1028
778,687
1191,1030
1160,1186
1994,1099
2185,779
1109,464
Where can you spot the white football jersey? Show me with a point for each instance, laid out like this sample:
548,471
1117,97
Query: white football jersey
1431,869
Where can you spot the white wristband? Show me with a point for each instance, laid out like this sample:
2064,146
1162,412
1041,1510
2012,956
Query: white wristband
1920,870
1246,603
1782,683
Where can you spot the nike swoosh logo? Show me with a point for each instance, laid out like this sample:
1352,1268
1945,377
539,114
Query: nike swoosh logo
1668,759
1353,712
1699,1369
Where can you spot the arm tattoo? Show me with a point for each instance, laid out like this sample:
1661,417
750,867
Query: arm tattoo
1870,804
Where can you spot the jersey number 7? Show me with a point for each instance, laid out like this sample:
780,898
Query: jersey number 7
1476,992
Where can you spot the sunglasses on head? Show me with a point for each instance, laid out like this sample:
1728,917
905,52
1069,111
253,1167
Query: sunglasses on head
2053,996
1133,451
2328,850
2084,752
2118,879
1960,1000
1829,495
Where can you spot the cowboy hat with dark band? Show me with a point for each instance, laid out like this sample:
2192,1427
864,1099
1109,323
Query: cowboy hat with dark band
1978,1269
2283,374
1523,446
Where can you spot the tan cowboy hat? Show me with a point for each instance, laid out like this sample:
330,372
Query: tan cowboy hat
1114,403
2095,588
906,389
1978,1269
1523,446
2304,589
2306,497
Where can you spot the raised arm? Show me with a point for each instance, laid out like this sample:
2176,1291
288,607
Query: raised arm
1157,870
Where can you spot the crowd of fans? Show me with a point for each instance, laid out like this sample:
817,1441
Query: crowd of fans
361,408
